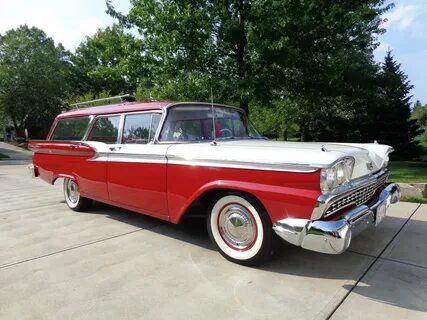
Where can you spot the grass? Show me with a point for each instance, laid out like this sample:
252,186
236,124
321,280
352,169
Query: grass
408,171
414,199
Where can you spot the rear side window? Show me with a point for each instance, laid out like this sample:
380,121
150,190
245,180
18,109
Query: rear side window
140,128
105,129
70,129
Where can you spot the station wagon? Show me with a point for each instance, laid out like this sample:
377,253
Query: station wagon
171,160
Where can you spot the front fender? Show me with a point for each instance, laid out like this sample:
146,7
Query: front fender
280,202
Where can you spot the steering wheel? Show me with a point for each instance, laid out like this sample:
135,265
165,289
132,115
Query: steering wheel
226,132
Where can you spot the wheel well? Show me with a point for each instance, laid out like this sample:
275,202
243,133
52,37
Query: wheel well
199,207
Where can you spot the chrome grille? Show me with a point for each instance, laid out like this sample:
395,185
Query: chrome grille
357,197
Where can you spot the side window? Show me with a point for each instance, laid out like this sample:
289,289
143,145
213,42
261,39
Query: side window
137,128
105,129
140,128
70,129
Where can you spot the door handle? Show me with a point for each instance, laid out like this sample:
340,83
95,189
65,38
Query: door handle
115,148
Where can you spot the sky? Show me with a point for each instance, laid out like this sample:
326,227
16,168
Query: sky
69,22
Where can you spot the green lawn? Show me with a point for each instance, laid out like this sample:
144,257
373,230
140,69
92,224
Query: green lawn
408,171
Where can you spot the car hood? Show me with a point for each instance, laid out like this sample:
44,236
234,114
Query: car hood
282,156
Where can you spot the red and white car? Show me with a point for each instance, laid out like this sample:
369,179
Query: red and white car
169,160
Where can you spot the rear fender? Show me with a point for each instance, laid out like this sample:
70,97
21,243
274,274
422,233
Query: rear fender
52,158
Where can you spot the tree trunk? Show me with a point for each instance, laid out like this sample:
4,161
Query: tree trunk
244,104
305,134
19,129
285,134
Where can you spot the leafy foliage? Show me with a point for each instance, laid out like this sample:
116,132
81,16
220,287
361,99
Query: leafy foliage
393,125
302,69
33,78
420,115
110,61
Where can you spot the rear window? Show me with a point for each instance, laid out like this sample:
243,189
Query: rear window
70,129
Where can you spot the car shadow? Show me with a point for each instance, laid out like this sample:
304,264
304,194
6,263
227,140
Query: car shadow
287,260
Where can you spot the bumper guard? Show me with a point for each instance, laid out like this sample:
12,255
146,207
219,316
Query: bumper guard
334,237
32,170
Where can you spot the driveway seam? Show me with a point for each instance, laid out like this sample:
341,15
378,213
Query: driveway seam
405,263
371,265
75,247
389,259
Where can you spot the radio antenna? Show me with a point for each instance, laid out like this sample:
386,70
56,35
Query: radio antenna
213,119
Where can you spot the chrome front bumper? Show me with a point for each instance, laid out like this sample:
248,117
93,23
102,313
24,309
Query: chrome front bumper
334,237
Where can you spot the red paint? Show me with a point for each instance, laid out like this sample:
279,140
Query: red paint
140,185
283,194
69,159
167,190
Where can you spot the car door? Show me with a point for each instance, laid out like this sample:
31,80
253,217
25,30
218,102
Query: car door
136,170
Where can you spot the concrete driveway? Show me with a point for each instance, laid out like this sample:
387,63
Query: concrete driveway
114,264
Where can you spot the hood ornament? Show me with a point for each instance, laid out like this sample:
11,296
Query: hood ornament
370,165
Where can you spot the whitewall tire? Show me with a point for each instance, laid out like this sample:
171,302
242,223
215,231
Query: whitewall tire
73,198
240,228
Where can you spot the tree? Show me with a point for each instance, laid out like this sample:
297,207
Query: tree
420,115
205,43
318,53
109,61
393,123
33,79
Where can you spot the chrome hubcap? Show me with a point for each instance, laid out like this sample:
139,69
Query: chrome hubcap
237,226
72,191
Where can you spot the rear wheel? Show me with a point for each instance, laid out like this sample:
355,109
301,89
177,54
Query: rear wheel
73,198
241,229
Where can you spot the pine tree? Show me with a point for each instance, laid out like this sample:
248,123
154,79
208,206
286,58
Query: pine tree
393,125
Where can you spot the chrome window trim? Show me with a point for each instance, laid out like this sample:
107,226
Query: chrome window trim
52,130
162,122
104,116
151,112
91,121
176,104
325,200
121,115
55,124
120,131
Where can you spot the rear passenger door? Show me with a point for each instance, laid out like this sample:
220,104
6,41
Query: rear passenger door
136,170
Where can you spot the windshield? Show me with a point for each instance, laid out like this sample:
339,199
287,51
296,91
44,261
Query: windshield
195,123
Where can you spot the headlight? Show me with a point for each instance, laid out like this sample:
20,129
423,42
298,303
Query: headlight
341,173
331,178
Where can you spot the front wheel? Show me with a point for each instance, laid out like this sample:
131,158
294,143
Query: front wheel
241,229
73,198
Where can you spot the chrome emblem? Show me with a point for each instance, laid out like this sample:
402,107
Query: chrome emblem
370,165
